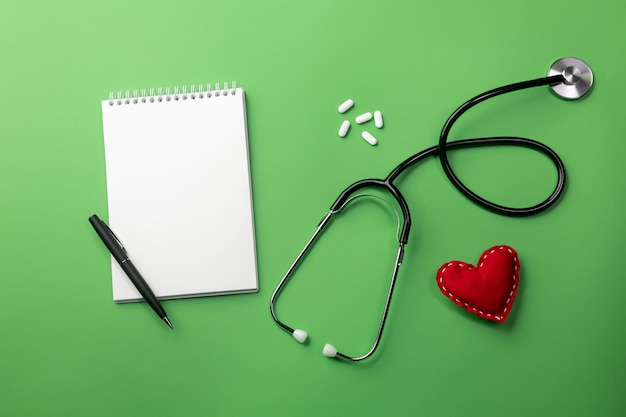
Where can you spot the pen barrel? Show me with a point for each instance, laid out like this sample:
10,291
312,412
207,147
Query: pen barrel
108,238
142,287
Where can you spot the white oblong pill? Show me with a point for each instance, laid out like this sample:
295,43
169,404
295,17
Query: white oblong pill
343,130
369,138
378,119
345,106
362,118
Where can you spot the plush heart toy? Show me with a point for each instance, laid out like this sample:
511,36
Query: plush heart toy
487,290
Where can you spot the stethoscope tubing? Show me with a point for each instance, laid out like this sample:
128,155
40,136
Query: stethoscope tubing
283,281
515,141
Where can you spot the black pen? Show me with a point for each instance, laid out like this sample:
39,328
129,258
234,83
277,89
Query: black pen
119,253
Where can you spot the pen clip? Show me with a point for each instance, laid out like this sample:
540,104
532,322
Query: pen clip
119,242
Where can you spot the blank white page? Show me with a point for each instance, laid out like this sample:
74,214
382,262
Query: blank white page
179,193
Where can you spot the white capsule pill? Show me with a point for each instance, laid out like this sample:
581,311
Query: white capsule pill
345,106
362,118
369,138
378,119
343,130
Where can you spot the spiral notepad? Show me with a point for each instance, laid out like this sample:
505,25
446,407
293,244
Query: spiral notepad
179,190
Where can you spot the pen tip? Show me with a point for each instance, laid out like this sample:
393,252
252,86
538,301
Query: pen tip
169,323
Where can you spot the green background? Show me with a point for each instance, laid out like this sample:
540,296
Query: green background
67,350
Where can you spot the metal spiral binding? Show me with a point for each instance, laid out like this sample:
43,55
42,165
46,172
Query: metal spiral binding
183,93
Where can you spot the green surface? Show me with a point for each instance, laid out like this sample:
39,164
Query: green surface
67,350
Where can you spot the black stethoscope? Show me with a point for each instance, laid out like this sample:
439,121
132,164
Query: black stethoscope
569,78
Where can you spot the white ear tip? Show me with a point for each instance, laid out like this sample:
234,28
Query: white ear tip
300,335
329,350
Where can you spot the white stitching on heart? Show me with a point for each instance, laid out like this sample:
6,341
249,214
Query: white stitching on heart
484,257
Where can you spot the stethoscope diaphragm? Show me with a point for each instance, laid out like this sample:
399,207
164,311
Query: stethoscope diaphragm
578,78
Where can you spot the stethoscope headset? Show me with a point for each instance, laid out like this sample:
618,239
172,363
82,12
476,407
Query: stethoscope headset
569,78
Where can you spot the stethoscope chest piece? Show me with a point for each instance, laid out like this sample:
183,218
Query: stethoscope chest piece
578,78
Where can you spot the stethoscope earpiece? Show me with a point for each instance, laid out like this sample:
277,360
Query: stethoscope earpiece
329,350
578,78
300,335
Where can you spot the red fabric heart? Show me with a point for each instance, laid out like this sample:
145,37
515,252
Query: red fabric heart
487,290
